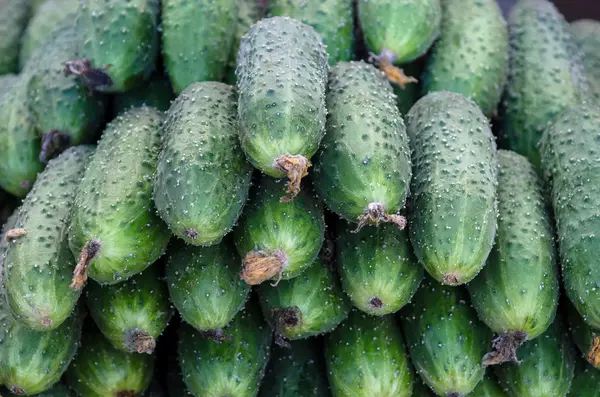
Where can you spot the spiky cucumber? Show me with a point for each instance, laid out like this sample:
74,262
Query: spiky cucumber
156,93
282,119
366,357
587,37
115,231
445,339
201,148
13,21
248,13
363,170
586,381
585,337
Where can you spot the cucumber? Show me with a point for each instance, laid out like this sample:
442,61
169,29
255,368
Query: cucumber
38,261
248,13
205,286
332,19
13,21
445,339
115,231
453,206
585,337
378,269
363,170
545,75
585,383
119,43
156,93
310,304
201,148
488,387
366,357
281,79
516,293
471,56
277,238
232,368
575,194
546,367
587,37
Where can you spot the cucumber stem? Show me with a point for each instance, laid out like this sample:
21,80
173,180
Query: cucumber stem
295,167
53,142
14,234
137,340
505,348
376,303
93,78
395,75
260,266
594,352
285,318
375,214
88,253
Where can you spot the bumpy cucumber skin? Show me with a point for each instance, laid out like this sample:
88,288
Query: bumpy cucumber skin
205,285
39,264
445,338
332,19
13,21
546,368
471,56
453,205
585,383
248,13
517,290
570,151
545,75
32,361
202,178
583,335
366,357
281,79
587,37
315,296
406,28
197,38
114,201
365,156
156,93
233,367
378,270
101,370
296,227
121,38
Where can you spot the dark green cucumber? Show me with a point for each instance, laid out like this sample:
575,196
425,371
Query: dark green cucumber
233,367
115,231
38,261
516,293
453,191
119,43
378,269
13,21
363,170
196,39
281,79
546,367
488,387
32,361
133,314
586,381
332,19
366,357
205,286
310,304
587,37
445,338
546,75
585,337
248,13
102,370
202,178
570,151
471,56
156,93
278,239
298,370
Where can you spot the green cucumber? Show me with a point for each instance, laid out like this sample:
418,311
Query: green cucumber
585,383
516,293
13,21
366,357
201,148
278,239
488,387
233,367
363,170
310,304
471,56
453,209
587,37
205,286
445,338
196,39
38,262
115,231
332,19
281,79
585,337
156,93
378,269
248,13
119,43
546,75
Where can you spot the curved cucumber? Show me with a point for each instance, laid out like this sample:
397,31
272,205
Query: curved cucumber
453,209
585,337
587,37
13,21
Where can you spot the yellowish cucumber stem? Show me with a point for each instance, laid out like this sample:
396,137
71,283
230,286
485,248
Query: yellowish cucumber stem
88,253
260,266
594,352
137,340
395,75
296,168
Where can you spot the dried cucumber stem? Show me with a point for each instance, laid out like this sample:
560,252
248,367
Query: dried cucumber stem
53,143
375,214
594,353
296,168
287,317
92,77
395,75
451,279
88,253
505,348
191,233
14,234
137,340
259,266
216,335
376,303
17,390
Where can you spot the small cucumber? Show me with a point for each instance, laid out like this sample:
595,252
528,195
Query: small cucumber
156,93
13,21
587,37
585,337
